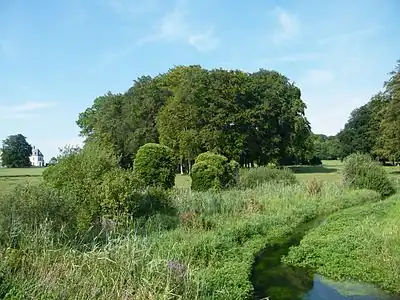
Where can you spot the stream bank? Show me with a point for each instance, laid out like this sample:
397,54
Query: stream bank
274,280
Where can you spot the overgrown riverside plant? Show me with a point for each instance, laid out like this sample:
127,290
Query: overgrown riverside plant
213,171
250,178
81,173
150,262
155,165
361,171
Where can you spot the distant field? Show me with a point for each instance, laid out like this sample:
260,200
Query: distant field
24,172
329,171
9,178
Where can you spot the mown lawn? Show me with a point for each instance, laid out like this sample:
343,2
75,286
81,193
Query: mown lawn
10,178
328,172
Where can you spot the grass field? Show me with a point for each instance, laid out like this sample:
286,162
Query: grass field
214,238
328,172
9,178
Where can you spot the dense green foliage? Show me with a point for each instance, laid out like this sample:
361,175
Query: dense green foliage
15,152
247,117
251,178
30,206
361,171
155,165
374,127
213,171
107,223
208,262
361,244
327,147
81,174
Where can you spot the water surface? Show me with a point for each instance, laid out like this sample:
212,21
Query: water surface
274,280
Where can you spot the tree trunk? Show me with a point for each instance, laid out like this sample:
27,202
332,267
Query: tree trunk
181,165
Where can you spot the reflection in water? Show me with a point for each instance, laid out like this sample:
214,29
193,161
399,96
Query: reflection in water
275,280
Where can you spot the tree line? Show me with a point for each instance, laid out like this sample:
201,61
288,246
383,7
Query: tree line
248,117
373,128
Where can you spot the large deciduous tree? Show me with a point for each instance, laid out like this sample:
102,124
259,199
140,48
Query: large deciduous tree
389,129
257,117
16,151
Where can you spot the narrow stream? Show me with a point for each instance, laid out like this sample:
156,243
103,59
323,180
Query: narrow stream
274,280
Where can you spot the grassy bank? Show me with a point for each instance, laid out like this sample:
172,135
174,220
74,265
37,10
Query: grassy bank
206,254
361,243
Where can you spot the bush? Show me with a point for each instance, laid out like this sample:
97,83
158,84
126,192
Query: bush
213,171
81,173
361,171
250,178
25,208
116,192
155,165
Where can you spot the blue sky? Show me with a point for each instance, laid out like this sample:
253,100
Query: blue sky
57,56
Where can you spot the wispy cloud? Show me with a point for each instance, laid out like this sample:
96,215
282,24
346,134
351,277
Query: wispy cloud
288,26
174,27
24,110
348,36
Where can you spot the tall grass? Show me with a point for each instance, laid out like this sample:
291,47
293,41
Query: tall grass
148,261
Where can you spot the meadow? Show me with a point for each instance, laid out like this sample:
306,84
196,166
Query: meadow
207,248
10,178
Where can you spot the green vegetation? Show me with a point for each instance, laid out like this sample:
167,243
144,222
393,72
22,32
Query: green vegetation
107,222
362,243
251,178
155,165
10,178
15,152
360,171
247,117
213,171
217,235
371,129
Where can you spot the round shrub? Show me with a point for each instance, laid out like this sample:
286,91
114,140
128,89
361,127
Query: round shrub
213,171
116,192
155,165
361,171
250,178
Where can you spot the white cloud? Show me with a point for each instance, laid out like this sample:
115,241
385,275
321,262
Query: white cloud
289,26
205,41
24,110
174,26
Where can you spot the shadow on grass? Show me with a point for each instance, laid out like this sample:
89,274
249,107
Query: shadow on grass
395,173
312,169
20,176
